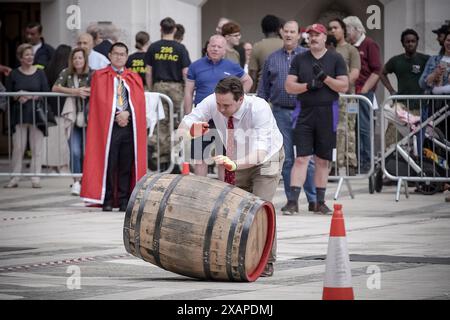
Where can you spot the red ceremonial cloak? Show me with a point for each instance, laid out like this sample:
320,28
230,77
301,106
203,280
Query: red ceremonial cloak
102,108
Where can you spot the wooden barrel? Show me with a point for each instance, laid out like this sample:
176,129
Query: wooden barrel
199,227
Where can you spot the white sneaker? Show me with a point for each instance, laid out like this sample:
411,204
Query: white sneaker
76,187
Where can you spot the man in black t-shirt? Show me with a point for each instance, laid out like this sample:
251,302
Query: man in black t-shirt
136,61
167,65
317,77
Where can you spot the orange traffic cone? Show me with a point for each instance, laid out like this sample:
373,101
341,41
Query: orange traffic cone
185,170
338,278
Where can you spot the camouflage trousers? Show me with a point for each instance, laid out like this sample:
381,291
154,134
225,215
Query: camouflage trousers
175,91
346,140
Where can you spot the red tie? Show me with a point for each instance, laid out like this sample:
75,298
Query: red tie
230,176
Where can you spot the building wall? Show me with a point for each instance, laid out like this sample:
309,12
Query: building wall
200,18
129,16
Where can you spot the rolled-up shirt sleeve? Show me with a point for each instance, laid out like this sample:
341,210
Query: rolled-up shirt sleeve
202,112
262,133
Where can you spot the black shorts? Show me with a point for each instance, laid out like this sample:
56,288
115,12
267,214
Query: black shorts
315,132
201,146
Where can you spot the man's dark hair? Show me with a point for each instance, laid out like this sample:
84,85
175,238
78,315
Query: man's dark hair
167,25
230,28
120,45
232,85
32,25
142,38
442,52
179,34
270,24
342,24
409,32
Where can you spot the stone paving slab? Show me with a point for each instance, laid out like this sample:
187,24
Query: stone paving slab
46,232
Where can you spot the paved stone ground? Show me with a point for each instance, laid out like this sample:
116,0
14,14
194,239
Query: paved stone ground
46,234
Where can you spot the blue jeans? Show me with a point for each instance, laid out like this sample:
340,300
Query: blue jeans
364,132
284,123
76,149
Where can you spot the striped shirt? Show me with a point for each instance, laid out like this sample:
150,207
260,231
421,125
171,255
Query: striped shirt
274,74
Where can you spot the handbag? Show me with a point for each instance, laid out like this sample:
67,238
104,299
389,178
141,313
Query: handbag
43,115
80,120
40,114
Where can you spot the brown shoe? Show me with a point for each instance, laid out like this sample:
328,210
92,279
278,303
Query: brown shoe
290,208
322,208
268,270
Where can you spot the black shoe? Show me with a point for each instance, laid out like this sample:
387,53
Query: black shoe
312,206
322,208
290,208
123,207
107,207
268,270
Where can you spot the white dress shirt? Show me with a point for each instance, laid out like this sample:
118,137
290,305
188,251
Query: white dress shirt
255,128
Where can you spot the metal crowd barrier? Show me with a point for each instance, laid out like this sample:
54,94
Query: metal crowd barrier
172,154
352,107
419,148
47,141
46,170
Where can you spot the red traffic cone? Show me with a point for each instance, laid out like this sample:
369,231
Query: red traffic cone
185,170
337,284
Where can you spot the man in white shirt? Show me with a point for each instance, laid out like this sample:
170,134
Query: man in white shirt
96,60
254,157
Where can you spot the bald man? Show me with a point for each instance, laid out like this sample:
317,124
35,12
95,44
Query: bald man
96,60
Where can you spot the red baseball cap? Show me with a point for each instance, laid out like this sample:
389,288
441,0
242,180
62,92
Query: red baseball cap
317,27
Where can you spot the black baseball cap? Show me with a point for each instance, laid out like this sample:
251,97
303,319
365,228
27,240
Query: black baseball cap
443,29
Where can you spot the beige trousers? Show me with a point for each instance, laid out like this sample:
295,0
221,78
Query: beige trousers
19,141
263,181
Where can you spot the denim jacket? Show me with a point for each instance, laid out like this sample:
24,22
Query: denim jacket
432,64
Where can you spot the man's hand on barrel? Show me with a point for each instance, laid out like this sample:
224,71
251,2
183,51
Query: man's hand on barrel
198,129
229,164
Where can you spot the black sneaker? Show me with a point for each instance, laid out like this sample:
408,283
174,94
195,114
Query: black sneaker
322,208
290,208
312,206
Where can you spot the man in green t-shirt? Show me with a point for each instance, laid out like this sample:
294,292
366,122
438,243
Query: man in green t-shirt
407,67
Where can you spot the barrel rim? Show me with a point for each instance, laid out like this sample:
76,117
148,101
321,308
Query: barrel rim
270,212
